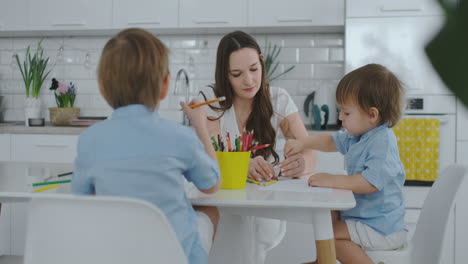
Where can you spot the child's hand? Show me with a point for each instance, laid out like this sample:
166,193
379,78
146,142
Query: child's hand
322,180
197,116
292,147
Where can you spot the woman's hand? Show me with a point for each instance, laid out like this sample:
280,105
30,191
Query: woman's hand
260,169
293,166
197,116
292,147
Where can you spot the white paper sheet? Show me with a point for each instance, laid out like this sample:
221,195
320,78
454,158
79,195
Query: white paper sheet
293,185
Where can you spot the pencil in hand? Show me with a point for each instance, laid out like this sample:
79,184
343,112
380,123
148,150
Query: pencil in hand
260,147
222,98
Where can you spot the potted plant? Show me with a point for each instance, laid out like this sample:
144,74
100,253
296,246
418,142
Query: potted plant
33,71
65,98
271,62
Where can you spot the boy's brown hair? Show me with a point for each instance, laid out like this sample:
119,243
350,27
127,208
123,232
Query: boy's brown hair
373,85
132,69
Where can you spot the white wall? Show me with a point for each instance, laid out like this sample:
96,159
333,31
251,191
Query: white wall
318,59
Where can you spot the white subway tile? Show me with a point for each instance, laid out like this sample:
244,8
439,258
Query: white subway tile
176,56
7,101
13,115
5,72
97,101
326,40
289,55
6,58
183,42
308,55
6,43
329,71
85,43
300,71
336,54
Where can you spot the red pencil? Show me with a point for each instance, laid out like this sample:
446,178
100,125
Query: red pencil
260,147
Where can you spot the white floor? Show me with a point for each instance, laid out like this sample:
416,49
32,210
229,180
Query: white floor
11,260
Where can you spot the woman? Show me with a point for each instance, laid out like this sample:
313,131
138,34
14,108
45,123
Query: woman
252,105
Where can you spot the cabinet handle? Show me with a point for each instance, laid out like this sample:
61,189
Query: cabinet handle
77,23
400,8
50,146
143,22
200,21
293,19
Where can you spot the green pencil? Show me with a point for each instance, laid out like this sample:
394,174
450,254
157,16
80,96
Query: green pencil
51,182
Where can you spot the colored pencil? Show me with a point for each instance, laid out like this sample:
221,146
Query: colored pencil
270,183
222,98
49,183
47,188
260,147
253,181
65,174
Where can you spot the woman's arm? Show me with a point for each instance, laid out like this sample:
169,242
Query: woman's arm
293,128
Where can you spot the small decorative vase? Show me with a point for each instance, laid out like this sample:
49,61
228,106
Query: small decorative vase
61,116
32,109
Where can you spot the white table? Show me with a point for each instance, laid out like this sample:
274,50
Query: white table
304,207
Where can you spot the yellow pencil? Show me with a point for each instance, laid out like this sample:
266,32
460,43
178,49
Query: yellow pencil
269,183
253,181
222,98
47,188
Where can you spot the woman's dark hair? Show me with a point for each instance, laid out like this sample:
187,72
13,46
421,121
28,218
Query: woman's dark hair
262,110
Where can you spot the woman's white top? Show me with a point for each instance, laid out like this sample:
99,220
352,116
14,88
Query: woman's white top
282,104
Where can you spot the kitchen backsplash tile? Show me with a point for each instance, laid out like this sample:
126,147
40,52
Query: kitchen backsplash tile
318,60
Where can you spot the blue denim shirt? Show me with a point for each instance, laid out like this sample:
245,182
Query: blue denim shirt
375,156
138,154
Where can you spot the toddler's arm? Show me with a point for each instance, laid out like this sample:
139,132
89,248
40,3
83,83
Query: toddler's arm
356,183
322,142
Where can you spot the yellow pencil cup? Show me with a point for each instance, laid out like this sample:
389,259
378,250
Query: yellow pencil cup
234,168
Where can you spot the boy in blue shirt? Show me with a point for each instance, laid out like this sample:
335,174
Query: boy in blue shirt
138,154
370,98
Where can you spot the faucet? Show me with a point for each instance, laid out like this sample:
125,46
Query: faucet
185,120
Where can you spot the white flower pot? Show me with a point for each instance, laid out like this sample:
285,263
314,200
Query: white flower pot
32,109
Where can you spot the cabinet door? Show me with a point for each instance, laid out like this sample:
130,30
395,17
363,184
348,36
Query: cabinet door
212,13
5,147
145,13
296,13
373,8
44,148
14,15
462,152
461,228
462,121
70,14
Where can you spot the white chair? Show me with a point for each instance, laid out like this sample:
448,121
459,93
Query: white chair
426,244
96,229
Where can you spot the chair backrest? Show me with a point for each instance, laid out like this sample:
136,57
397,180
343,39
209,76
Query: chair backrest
432,224
78,229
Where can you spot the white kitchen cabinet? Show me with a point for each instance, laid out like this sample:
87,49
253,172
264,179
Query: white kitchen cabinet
462,121
43,148
461,220
14,15
462,152
392,8
70,14
212,13
145,13
5,147
296,13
